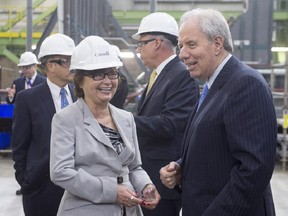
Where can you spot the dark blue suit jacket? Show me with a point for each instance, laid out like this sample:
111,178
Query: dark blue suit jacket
20,85
229,147
31,128
161,120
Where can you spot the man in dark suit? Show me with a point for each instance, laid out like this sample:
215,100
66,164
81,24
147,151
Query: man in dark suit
163,111
229,145
29,76
34,109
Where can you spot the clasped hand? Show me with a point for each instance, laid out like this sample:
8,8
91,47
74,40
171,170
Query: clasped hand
170,175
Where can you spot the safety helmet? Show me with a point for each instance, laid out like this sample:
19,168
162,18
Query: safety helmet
94,53
157,22
27,58
56,44
116,50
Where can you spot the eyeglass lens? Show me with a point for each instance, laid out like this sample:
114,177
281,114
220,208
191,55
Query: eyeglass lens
144,42
101,76
26,67
62,62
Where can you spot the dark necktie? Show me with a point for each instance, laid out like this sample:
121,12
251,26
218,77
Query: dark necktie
204,94
29,83
64,101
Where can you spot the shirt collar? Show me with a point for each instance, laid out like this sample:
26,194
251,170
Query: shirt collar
32,78
164,63
55,89
217,71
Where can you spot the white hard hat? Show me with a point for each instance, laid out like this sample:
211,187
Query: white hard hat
27,58
94,53
116,50
157,22
56,44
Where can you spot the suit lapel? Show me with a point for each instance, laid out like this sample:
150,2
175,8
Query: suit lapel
71,88
121,123
91,125
124,127
37,80
157,82
223,77
46,97
22,84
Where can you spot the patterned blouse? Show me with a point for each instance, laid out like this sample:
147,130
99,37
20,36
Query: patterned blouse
115,138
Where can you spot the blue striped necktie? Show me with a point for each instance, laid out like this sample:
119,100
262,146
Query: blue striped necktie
64,101
203,95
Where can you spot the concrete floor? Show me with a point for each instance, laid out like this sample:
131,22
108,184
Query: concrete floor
10,203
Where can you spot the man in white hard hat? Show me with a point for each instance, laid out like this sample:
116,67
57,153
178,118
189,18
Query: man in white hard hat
34,109
29,76
165,105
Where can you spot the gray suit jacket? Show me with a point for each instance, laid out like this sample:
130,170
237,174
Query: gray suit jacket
85,164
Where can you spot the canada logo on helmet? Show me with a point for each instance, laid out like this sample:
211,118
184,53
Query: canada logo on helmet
94,53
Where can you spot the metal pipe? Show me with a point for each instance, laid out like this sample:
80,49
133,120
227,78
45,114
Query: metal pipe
153,6
60,14
29,26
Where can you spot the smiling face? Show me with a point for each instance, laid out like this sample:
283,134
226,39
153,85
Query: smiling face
200,54
99,92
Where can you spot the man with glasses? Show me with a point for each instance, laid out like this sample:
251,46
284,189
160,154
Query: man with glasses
165,105
29,76
34,109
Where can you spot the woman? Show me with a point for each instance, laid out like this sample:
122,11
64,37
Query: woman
94,147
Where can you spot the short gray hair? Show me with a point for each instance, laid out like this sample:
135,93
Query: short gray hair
212,24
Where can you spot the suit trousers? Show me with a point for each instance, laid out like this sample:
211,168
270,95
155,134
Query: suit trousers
43,201
165,207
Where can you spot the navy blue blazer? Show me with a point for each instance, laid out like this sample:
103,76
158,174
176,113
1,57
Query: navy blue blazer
161,120
229,147
31,128
20,85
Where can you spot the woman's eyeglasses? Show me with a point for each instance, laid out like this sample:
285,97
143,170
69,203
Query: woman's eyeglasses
101,75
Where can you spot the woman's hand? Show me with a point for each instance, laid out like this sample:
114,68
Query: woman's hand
127,197
150,197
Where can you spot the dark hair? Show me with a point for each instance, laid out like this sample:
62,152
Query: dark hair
78,80
172,38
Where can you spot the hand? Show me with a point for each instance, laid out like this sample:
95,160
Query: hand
127,197
170,175
150,197
11,91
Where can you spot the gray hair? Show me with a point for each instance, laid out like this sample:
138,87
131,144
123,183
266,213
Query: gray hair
212,24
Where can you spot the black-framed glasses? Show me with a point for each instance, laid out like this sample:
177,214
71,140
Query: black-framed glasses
63,62
144,42
97,76
26,67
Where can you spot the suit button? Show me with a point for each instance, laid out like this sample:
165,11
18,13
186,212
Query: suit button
119,179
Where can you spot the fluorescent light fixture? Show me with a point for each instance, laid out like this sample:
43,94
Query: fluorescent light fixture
128,55
33,47
279,49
